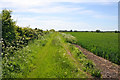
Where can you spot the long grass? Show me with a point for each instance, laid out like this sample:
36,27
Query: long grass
43,58
47,57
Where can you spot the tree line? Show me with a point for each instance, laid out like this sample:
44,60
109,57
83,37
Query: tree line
98,31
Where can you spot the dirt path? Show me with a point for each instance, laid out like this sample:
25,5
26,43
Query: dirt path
108,69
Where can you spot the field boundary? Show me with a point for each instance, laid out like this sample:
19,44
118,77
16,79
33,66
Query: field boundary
108,69
75,61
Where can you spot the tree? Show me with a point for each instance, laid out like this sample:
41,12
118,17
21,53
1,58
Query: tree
70,30
35,28
75,30
116,31
8,26
97,30
52,30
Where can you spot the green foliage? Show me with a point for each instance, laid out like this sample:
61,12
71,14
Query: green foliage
14,39
101,44
8,26
0,26
36,53
38,61
52,30
87,65
69,38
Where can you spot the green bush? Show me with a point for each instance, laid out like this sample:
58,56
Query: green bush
69,38
8,26
14,38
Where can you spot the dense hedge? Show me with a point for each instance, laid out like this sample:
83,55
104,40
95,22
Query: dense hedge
14,38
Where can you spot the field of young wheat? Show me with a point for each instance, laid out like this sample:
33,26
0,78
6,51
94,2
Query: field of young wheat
101,44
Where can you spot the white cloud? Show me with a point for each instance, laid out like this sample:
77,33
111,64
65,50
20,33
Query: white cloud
46,22
46,6
55,9
62,25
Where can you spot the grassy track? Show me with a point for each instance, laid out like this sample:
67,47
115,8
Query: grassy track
49,61
50,57
101,44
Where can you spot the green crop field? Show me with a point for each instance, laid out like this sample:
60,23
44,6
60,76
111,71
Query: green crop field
101,44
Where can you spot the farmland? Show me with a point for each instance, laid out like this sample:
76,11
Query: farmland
47,57
34,53
101,44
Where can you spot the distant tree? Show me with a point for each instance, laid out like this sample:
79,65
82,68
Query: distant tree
35,28
116,31
70,30
52,30
59,30
75,30
98,31
91,31
65,31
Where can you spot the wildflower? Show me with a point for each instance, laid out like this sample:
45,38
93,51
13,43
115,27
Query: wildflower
65,73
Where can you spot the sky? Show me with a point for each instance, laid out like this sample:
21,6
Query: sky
82,15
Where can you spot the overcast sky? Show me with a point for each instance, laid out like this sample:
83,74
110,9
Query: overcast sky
64,14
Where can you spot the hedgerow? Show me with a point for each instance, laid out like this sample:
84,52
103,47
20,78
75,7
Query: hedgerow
14,38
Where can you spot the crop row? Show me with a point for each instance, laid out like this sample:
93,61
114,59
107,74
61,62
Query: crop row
101,44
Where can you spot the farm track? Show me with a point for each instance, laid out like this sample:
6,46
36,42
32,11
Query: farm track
108,69
76,61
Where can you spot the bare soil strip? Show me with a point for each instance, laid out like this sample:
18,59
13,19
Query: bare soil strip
108,69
